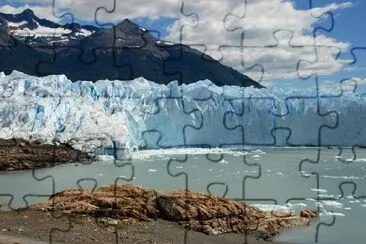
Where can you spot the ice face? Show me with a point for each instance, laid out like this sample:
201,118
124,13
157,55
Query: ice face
110,117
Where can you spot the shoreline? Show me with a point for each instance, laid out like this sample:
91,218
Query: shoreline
41,227
19,154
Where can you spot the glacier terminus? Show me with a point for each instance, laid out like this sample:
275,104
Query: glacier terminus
115,117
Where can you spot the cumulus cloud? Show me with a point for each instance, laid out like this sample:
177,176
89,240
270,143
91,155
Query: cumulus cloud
276,36
348,85
263,35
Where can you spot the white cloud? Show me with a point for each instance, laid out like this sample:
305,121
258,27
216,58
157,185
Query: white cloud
276,34
348,85
329,8
41,11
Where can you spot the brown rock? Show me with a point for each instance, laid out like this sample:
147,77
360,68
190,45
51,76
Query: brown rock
195,211
18,154
309,213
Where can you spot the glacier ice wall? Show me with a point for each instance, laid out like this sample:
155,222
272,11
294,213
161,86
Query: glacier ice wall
110,117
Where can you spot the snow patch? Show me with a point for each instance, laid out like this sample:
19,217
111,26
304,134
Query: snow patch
40,31
84,32
13,24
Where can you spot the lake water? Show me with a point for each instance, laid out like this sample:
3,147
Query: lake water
332,180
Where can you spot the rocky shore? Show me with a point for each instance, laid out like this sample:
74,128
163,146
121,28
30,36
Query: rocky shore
18,154
209,214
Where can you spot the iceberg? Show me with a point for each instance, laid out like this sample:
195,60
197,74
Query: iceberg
115,117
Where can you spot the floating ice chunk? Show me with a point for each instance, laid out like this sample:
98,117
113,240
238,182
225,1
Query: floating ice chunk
223,161
345,177
258,151
271,207
328,213
319,190
332,203
104,158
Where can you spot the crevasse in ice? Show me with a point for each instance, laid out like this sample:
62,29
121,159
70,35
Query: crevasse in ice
110,117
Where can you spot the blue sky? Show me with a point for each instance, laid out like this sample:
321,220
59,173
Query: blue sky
165,19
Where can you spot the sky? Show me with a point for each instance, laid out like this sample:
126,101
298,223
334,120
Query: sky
272,41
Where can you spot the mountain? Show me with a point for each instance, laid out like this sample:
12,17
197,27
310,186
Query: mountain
124,52
34,31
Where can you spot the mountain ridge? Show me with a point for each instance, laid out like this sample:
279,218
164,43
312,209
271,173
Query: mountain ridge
125,51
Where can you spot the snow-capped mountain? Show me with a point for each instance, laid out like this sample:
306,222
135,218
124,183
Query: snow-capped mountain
124,52
34,31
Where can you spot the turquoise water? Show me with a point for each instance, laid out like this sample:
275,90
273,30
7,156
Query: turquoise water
270,178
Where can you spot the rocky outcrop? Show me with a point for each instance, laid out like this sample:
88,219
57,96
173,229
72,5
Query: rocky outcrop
309,213
195,211
18,154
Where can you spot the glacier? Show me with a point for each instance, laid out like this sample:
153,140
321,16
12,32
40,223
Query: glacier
116,117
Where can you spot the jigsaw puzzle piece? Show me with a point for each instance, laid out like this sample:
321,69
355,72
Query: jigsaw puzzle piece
105,46
6,200
89,175
356,60
188,21
87,65
284,40
278,168
162,125
248,123
321,56
344,103
63,11
330,168
7,41
232,20
344,212
333,90
26,188
127,36
307,111
213,108
213,175
325,53
286,51
346,219
358,55
312,233
209,173
188,30
259,121
284,185
245,20
68,11
73,176
237,57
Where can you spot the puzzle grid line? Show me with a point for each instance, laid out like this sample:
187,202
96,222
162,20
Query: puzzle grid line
259,67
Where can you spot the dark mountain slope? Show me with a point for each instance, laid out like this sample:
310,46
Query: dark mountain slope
123,52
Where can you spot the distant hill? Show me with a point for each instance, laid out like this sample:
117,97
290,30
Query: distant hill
124,52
